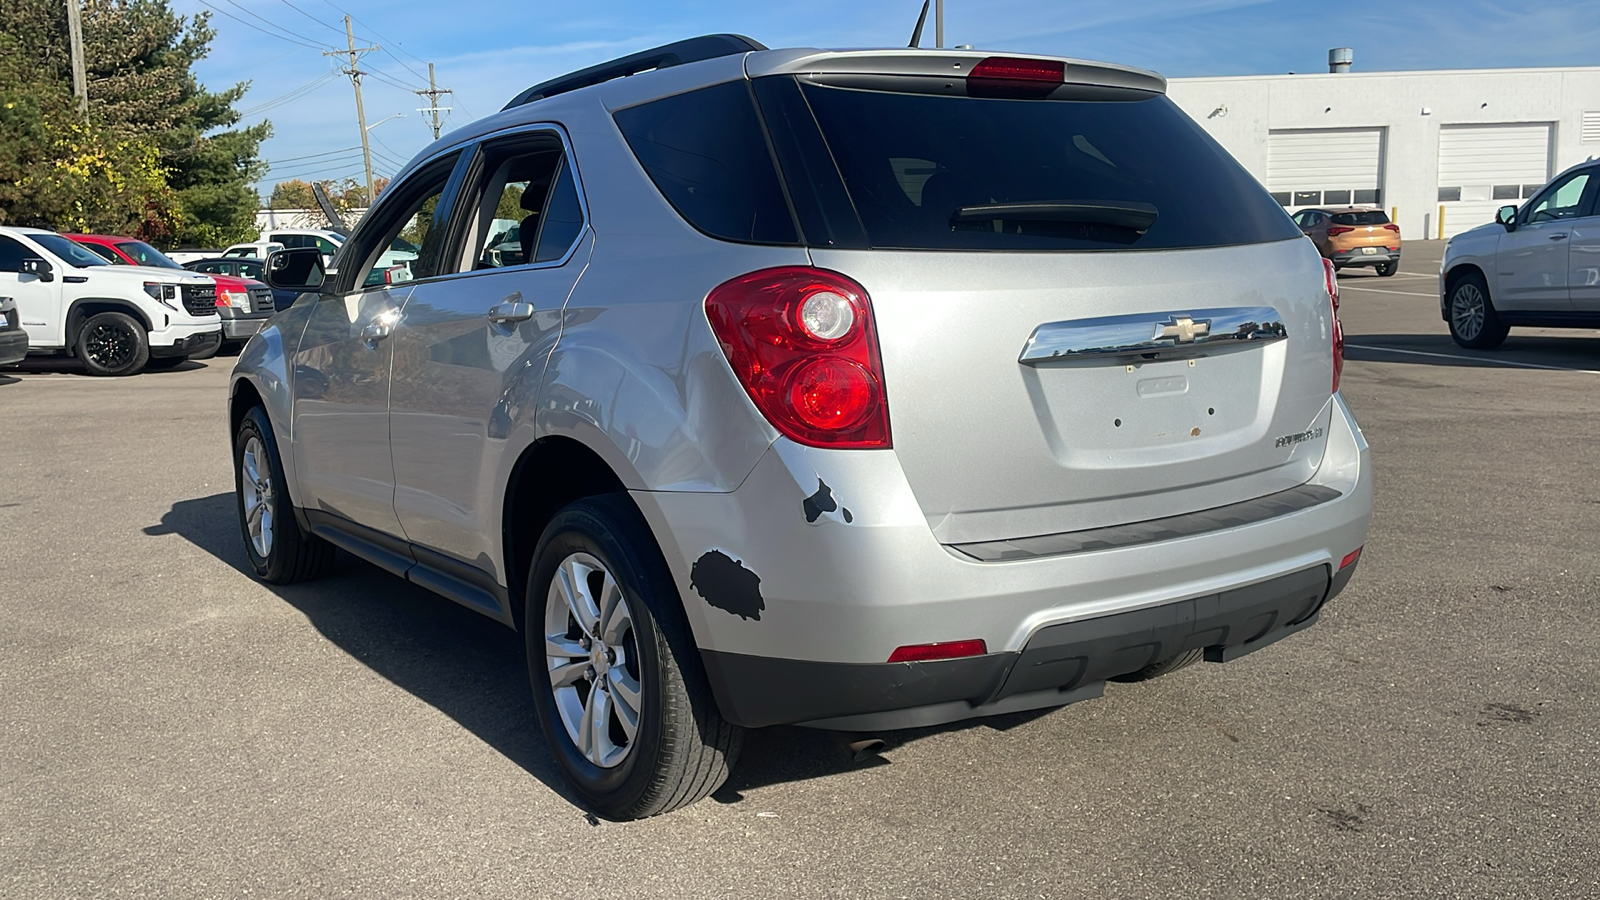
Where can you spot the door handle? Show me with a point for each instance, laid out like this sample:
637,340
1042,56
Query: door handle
1559,236
376,330
511,310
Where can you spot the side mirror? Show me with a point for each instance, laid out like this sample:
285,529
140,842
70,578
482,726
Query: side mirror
38,268
1507,216
298,270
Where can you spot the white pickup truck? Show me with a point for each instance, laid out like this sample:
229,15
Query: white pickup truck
118,320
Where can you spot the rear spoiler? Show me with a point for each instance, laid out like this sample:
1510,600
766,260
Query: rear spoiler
940,64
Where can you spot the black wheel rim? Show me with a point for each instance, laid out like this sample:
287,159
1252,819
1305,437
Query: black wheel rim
110,346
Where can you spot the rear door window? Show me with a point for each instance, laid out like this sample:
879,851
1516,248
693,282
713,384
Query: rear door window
707,154
1103,170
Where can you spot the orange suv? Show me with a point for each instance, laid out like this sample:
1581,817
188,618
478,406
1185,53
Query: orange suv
1353,236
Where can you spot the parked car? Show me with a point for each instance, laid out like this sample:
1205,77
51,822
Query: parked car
251,250
241,267
244,304
13,340
328,242
829,393
118,320
1538,265
1353,236
189,254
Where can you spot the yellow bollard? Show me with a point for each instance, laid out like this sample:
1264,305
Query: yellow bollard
1441,221
1394,214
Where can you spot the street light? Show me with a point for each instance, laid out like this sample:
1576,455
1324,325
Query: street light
372,194
381,121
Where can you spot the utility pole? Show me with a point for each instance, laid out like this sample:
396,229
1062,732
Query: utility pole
80,80
938,23
355,73
433,93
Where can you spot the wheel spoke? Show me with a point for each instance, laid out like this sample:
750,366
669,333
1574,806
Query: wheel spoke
599,719
614,618
586,730
568,674
572,580
625,691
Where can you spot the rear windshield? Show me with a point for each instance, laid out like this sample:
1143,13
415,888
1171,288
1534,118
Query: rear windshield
966,173
1373,217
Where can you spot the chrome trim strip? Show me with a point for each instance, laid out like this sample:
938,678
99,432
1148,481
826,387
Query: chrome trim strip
1164,334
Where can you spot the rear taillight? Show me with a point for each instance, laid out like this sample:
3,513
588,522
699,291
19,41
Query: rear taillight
1392,227
1330,282
803,345
1015,77
1336,230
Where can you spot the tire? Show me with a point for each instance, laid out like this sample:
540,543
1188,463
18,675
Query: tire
1473,322
285,555
1388,268
680,749
112,344
1164,667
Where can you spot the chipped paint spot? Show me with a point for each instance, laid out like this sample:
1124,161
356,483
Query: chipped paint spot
1194,433
725,583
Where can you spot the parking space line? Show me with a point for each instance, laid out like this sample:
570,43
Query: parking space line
1477,359
1343,288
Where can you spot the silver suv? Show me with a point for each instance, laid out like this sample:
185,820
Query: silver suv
859,390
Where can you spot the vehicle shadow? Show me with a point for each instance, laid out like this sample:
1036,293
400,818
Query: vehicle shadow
67,365
473,669
6,379
1580,351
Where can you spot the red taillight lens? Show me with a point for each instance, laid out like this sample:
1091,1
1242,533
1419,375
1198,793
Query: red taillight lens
1350,558
1011,68
1392,227
803,345
944,650
1336,230
1330,283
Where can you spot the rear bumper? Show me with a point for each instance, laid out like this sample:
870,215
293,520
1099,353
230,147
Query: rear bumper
1355,257
13,346
1060,664
795,596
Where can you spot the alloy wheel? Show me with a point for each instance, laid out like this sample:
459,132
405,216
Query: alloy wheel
110,346
1467,311
260,503
591,654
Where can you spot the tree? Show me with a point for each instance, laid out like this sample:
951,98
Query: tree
292,194
138,56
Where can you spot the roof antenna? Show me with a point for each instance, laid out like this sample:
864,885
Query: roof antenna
916,33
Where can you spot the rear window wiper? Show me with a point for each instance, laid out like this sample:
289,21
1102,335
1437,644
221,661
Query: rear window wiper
1121,213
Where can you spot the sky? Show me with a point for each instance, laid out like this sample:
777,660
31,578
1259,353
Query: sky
488,50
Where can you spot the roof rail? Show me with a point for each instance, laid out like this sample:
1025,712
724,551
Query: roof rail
694,49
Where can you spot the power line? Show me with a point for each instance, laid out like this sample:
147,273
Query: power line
310,16
315,155
294,94
257,28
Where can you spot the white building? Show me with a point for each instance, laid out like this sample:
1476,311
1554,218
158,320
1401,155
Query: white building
1440,150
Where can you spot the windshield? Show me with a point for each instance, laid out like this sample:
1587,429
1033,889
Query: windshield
966,173
70,252
146,255
1374,217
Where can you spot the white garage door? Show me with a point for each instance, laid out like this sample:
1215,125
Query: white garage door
1485,167
1325,167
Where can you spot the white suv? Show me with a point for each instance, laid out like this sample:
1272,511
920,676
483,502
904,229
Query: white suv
119,320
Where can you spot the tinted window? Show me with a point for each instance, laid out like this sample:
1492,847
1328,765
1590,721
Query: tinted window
12,253
563,219
707,154
1375,217
937,172
146,255
104,252
247,269
70,252
518,184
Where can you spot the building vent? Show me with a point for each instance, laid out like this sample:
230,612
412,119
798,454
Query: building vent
1591,127
1340,59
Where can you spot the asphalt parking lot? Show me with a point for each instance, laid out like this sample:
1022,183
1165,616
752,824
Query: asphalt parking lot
169,727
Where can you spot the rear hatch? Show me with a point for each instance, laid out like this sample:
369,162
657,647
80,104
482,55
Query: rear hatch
1362,229
1089,313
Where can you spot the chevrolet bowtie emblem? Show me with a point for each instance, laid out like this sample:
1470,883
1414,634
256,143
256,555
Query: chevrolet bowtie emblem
1183,330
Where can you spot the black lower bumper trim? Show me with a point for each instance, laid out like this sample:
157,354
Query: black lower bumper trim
1061,663
190,345
13,346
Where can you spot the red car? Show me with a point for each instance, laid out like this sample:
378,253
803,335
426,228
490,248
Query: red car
244,304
